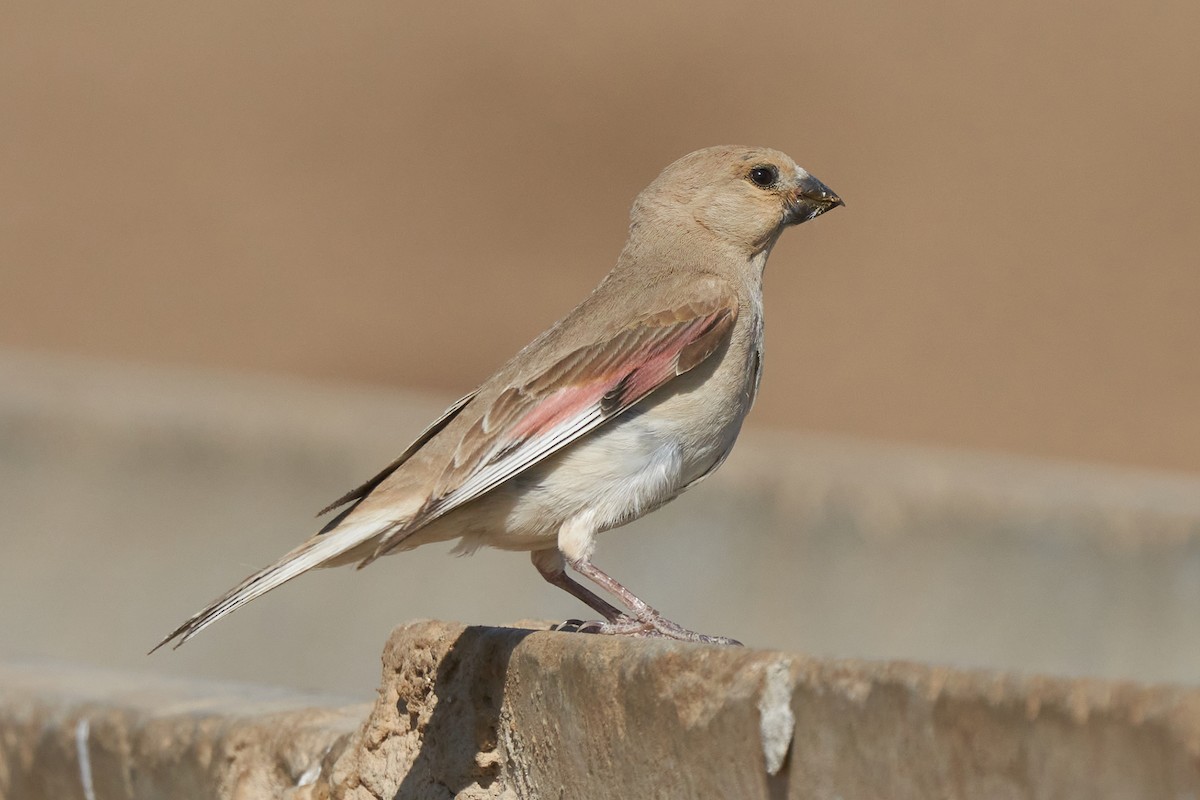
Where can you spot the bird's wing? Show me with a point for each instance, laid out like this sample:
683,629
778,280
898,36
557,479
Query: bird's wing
434,429
523,425
582,390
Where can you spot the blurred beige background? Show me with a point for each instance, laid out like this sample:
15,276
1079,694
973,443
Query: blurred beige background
403,194
233,236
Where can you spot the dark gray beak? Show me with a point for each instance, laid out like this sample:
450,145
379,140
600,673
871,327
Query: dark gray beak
811,199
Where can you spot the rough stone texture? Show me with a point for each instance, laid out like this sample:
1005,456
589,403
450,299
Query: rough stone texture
507,713
515,714
435,729
72,733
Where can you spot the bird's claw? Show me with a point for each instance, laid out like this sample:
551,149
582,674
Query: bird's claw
652,627
578,626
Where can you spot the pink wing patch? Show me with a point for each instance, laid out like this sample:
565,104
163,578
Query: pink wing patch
567,402
581,391
637,372
659,360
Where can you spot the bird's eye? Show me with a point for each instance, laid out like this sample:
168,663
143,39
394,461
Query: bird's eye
764,177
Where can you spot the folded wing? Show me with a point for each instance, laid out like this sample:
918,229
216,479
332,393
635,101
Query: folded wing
523,425
581,391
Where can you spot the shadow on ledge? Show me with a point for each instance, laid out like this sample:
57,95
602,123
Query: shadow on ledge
457,715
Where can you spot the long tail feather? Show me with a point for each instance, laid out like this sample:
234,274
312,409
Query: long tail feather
316,552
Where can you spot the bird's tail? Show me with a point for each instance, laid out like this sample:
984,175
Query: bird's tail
320,550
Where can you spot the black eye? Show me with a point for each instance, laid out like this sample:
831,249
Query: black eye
764,177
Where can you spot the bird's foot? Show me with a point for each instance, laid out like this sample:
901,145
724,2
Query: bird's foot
579,626
650,627
673,630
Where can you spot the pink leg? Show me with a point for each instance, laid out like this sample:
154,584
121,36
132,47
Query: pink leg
645,620
550,564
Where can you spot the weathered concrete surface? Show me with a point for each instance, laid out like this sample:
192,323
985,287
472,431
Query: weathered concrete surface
503,713
513,714
72,733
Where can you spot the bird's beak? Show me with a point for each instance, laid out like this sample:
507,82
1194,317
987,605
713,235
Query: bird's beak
810,199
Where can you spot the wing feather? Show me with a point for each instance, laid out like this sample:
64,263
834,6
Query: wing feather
434,428
579,392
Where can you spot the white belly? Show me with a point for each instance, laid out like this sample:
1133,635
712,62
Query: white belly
615,474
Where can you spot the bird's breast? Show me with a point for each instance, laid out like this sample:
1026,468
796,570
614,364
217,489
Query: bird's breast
631,464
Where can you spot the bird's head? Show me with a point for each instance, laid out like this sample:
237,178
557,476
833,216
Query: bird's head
744,195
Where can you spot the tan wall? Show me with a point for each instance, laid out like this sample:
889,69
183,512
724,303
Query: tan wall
405,193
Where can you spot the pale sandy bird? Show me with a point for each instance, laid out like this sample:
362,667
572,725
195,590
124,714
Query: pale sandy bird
631,398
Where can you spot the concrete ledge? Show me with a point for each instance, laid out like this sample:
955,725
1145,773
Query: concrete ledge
490,713
473,713
74,733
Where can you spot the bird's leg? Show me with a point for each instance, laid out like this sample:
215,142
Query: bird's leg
646,621
550,565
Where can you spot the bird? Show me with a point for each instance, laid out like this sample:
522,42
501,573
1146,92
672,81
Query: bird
633,397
